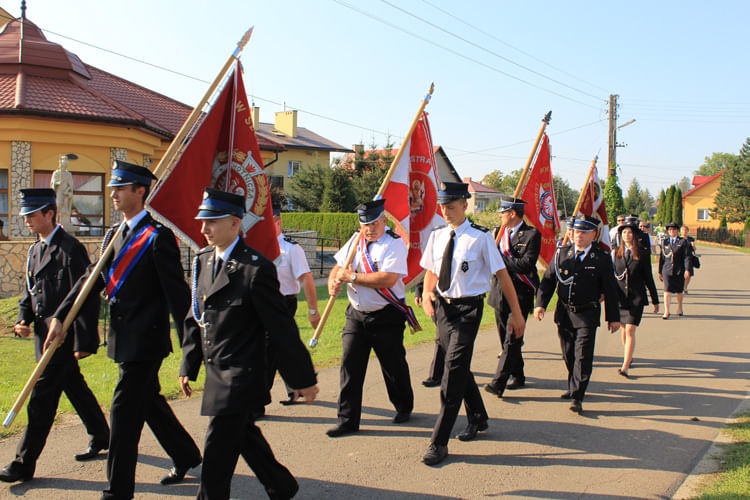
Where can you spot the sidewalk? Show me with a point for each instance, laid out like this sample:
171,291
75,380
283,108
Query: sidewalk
637,437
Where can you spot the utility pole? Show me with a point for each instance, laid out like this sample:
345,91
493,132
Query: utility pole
612,161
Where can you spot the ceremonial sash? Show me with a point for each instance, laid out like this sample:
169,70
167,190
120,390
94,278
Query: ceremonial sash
507,251
368,266
127,259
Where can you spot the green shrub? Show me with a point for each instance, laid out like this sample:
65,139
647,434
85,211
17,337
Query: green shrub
328,225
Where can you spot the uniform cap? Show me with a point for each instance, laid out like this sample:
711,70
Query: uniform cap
585,223
510,203
218,204
124,174
36,199
450,191
370,211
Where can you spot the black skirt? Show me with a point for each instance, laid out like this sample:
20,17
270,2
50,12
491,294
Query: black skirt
674,284
631,316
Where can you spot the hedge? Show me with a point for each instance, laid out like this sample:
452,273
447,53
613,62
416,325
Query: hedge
328,225
722,235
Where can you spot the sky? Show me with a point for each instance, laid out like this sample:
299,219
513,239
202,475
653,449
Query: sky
357,70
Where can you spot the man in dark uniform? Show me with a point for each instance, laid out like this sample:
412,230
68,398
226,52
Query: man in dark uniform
519,246
675,266
54,264
459,260
582,273
144,282
236,308
374,318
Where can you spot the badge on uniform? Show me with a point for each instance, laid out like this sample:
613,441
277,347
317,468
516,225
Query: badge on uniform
465,266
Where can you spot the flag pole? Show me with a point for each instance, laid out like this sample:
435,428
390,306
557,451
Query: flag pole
168,156
89,284
381,190
534,150
582,194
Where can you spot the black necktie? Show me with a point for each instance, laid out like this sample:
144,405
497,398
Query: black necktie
627,254
579,254
125,232
44,247
444,282
219,263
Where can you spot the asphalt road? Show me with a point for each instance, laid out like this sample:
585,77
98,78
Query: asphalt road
637,437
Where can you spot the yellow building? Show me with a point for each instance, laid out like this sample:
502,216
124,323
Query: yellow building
699,201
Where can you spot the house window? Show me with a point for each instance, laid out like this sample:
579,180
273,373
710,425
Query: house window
87,215
4,228
480,205
293,167
704,214
277,181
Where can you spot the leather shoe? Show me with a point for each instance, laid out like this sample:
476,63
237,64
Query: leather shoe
177,474
515,384
566,395
401,417
89,453
576,407
340,430
435,454
472,429
431,382
10,476
493,390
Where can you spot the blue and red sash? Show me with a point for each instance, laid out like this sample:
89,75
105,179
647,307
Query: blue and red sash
507,251
368,266
127,259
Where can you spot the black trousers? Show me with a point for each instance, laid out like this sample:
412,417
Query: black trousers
383,332
438,361
229,436
272,356
457,326
511,359
577,345
63,376
137,400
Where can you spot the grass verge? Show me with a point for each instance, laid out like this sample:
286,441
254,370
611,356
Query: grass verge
732,481
728,247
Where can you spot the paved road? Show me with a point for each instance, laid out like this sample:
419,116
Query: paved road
637,438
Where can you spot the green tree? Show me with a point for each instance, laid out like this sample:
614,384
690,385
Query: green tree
733,197
501,182
367,183
677,207
566,197
634,200
307,186
338,195
668,204
684,184
717,162
648,202
662,207
613,198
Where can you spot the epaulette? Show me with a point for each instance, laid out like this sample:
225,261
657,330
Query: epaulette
481,228
393,234
290,240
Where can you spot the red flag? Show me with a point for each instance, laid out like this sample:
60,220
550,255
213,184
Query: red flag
541,210
411,196
203,163
593,205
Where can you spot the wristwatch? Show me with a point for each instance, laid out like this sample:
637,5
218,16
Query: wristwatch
312,311
353,277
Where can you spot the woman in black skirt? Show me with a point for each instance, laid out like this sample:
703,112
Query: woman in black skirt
633,273
675,266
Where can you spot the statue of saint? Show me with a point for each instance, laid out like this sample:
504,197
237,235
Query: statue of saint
62,183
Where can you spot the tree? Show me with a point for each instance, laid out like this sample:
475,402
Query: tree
338,195
677,207
501,182
367,183
613,197
668,205
662,207
307,186
685,184
566,196
733,197
648,203
634,203
717,162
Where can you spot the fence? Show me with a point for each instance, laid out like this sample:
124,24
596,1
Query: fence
724,236
323,249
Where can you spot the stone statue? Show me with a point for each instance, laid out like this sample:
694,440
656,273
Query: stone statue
62,183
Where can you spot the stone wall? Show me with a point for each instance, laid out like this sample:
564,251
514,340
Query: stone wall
115,154
20,178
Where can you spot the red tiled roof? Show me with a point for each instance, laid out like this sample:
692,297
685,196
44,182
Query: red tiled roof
701,180
478,187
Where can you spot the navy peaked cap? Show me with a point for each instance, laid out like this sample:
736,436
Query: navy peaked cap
36,199
218,204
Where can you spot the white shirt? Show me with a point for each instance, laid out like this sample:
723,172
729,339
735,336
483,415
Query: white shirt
585,251
613,232
290,265
475,259
48,239
389,255
227,251
513,230
135,220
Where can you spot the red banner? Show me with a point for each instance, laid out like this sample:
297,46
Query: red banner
204,164
541,210
593,205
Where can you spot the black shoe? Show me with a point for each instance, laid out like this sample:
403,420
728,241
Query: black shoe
576,407
431,382
340,430
9,476
493,390
291,401
177,474
89,453
472,429
515,384
435,454
566,395
401,417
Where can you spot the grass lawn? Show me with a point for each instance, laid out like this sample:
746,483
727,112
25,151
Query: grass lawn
733,480
716,245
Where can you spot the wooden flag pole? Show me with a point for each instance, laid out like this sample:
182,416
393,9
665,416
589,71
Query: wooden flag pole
583,193
381,190
545,122
89,284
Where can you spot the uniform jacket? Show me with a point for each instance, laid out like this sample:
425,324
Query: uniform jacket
51,274
633,277
526,242
675,259
139,317
591,278
238,307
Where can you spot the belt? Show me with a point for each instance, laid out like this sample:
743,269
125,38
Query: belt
580,307
462,300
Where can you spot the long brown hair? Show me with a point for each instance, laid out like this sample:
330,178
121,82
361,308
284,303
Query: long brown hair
634,251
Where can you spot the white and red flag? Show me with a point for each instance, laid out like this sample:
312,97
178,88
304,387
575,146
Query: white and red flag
203,163
541,208
411,196
593,205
